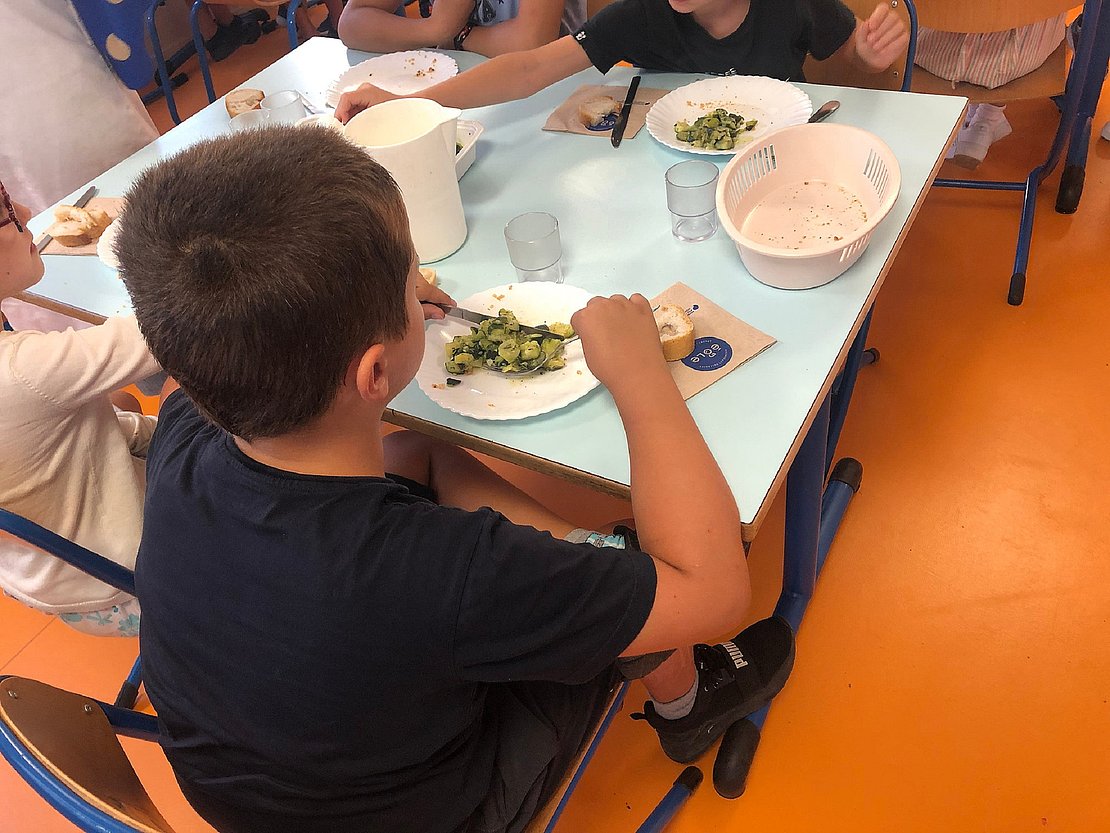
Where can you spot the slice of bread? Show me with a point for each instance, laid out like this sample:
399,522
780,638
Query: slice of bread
428,274
72,233
242,100
593,111
78,226
676,332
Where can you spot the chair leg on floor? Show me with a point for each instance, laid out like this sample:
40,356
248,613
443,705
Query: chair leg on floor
129,691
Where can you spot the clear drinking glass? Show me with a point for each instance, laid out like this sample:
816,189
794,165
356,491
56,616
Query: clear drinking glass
285,107
692,199
534,247
250,119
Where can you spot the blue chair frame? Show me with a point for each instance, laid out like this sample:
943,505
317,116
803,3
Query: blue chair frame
128,723
202,54
1084,84
88,562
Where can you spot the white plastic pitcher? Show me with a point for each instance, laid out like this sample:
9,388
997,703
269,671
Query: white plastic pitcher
414,139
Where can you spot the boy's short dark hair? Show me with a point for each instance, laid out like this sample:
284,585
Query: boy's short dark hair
259,264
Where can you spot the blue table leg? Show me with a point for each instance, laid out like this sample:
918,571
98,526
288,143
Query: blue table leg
813,515
1095,36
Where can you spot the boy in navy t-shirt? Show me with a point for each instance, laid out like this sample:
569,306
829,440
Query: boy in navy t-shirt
333,648
718,37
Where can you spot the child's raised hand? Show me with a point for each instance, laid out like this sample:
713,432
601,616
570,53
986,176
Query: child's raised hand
880,39
621,341
354,101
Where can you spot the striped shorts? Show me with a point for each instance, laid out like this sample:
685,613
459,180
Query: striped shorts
989,59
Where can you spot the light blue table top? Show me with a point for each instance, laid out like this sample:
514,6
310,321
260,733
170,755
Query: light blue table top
616,237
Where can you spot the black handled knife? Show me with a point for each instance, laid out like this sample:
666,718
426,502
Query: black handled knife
626,108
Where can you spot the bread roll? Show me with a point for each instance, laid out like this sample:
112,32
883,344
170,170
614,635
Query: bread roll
428,274
242,100
72,233
593,111
676,332
78,226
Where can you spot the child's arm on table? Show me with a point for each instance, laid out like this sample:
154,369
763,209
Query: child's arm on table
878,41
504,78
686,516
373,26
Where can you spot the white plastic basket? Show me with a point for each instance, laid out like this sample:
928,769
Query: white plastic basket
801,204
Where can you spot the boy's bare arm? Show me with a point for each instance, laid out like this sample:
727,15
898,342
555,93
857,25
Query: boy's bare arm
686,516
504,78
168,387
878,41
537,23
372,25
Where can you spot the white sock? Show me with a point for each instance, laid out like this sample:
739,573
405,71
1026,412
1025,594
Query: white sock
679,707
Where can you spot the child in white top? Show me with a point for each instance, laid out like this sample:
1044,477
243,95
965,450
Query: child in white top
69,460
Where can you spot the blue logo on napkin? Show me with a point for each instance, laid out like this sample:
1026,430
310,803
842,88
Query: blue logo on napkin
709,354
605,124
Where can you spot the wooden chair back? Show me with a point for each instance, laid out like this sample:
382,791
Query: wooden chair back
838,71
994,16
987,15
70,736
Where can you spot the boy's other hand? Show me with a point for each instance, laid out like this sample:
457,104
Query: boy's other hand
880,39
621,342
433,300
355,101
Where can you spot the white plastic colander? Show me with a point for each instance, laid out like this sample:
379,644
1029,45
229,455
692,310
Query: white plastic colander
801,203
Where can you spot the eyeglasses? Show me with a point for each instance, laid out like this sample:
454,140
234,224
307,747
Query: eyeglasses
11,218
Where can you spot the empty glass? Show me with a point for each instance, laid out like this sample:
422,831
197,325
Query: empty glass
249,119
285,107
534,247
692,200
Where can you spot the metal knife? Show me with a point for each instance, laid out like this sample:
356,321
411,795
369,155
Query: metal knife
478,318
626,108
81,202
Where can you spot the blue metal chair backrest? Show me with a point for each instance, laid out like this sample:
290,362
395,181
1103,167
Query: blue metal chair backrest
83,559
117,31
86,561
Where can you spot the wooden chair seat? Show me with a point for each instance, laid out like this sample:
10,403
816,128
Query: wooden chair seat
1044,82
71,737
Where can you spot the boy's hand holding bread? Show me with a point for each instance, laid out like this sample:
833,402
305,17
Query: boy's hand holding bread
620,340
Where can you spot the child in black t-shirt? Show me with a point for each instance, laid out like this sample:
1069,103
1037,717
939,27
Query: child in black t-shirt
331,648
719,37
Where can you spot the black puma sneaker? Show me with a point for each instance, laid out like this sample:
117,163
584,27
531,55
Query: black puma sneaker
735,678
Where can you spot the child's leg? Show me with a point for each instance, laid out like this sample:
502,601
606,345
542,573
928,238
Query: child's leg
460,480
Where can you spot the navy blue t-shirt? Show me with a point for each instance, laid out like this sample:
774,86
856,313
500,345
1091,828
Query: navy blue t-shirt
773,40
321,648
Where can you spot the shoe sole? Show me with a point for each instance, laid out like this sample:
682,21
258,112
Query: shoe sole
687,748
969,163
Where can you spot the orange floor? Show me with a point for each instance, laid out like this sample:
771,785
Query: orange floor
949,676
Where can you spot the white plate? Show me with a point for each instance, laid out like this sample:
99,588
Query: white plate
775,104
398,72
104,245
485,395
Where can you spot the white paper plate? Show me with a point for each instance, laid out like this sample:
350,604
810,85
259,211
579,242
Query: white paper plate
485,395
398,72
104,245
775,104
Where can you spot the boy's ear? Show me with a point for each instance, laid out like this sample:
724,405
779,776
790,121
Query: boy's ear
369,370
